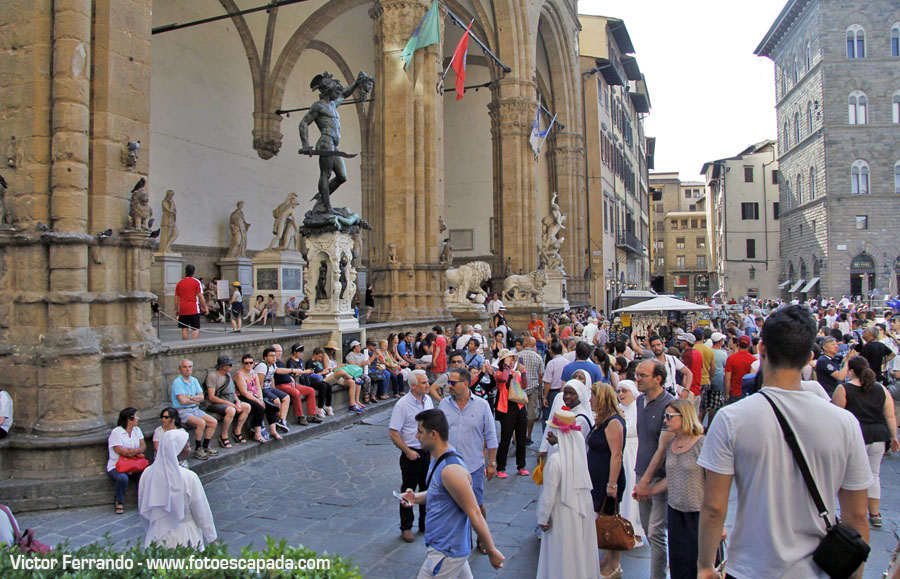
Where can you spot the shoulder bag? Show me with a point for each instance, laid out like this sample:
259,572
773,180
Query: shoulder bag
132,464
614,532
843,549
515,391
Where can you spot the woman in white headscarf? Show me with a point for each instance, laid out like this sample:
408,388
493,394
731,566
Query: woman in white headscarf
172,499
576,396
565,508
627,393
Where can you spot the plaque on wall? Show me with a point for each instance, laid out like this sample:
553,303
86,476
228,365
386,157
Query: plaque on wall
267,279
292,278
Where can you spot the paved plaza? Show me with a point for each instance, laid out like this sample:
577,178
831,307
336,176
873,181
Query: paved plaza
333,493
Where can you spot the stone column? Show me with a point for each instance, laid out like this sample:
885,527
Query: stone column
566,157
74,312
409,143
516,219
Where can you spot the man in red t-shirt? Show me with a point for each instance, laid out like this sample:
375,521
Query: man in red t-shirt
538,332
190,302
693,360
736,367
439,352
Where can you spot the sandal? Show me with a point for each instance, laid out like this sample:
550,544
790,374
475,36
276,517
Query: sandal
261,440
120,509
239,438
224,442
276,436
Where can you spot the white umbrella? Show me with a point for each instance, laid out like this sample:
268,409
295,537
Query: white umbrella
663,304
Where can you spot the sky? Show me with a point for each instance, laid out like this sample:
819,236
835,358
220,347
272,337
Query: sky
711,96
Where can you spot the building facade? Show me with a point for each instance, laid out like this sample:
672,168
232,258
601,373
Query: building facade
838,109
619,157
743,217
84,78
680,241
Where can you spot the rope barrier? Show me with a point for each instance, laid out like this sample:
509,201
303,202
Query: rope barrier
162,312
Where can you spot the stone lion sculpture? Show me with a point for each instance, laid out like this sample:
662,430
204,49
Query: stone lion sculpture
528,287
467,279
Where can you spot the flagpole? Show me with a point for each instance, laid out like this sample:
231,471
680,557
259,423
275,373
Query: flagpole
541,144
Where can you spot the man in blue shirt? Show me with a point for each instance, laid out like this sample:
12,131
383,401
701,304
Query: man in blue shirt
186,398
471,430
451,508
413,458
582,362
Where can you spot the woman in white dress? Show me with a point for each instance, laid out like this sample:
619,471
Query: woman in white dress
565,508
172,499
628,394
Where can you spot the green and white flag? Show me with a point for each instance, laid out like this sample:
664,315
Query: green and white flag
428,32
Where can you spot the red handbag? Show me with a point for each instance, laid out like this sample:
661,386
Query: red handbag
132,464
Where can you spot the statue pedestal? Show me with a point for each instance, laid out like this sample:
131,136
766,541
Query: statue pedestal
330,282
165,273
237,269
276,272
555,296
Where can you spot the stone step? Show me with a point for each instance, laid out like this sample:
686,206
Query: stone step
22,495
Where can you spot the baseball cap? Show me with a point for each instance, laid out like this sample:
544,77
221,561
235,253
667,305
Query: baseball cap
685,337
717,337
477,327
744,341
501,309
355,343
297,347
224,360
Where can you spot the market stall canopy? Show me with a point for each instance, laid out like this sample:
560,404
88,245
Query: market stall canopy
663,304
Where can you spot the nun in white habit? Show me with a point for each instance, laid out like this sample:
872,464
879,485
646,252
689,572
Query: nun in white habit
172,499
578,396
628,393
565,509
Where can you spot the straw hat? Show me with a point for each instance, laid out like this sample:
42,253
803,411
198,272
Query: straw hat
331,345
562,418
506,353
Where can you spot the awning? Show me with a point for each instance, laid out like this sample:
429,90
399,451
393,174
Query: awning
784,284
812,283
796,286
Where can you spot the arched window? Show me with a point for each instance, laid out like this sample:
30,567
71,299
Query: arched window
796,70
783,82
787,135
797,127
808,55
895,40
856,42
897,177
809,118
812,182
857,108
799,190
896,107
859,178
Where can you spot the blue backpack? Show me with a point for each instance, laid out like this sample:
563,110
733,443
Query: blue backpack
750,384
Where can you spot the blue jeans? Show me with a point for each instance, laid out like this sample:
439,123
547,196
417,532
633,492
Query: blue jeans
121,480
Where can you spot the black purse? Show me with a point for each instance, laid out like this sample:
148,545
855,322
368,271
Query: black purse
843,549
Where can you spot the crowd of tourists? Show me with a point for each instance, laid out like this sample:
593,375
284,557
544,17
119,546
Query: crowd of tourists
654,423
649,421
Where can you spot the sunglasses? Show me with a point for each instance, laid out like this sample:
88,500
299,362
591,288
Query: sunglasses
668,416
247,362
455,382
165,416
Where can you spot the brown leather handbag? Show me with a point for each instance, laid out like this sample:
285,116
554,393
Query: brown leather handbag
614,532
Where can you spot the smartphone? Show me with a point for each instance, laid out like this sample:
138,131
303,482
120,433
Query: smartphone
401,499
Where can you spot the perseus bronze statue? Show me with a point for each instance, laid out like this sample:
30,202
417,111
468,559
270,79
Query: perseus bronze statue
325,115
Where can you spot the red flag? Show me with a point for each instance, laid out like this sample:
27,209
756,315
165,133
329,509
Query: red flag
458,62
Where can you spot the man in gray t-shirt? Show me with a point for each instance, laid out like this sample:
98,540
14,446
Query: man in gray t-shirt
650,376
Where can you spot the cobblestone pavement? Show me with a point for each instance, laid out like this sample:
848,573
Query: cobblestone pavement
333,494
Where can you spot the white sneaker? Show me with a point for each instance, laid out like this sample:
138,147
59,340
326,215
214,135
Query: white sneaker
329,411
320,412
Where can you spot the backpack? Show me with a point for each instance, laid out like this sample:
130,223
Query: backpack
510,338
750,384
